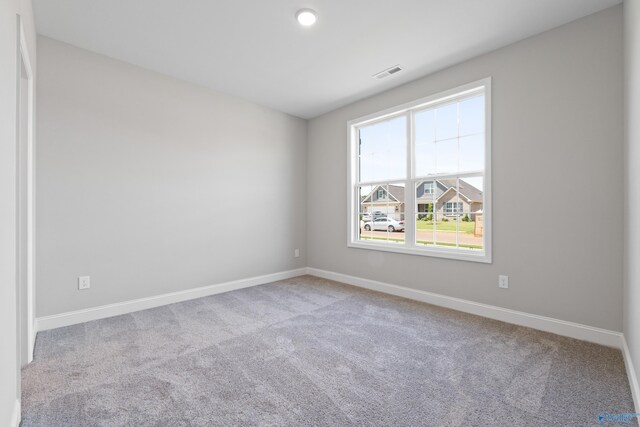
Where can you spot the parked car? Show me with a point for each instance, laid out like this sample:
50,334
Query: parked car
369,216
385,224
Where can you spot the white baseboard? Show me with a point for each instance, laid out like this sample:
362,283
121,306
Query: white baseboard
16,415
632,374
110,310
547,324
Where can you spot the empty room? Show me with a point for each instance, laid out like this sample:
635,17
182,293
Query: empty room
319,213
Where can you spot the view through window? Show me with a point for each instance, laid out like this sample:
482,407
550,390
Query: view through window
420,177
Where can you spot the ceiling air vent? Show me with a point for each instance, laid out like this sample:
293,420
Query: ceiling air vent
387,72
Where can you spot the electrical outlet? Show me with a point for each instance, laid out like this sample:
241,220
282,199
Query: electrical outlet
84,282
503,282
296,253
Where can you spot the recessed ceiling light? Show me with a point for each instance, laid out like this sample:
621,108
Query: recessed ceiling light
306,17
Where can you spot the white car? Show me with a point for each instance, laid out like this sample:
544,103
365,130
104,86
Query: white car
385,224
367,217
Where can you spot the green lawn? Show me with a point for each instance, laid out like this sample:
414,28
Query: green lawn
465,227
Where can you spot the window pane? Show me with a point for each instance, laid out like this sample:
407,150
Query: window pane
381,216
472,194
449,207
472,116
424,229
364,193
472,153
425,146
365,209
470,231
459,214
383,150
446,227
425,203
395,224
470,207
446,125
447,156
472,225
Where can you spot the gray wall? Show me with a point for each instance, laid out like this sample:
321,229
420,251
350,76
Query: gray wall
9,365
632,181
557,145
152,185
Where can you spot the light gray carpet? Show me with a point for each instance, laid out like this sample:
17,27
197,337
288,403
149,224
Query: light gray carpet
308,351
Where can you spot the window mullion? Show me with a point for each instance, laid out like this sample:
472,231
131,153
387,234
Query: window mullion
410,185
457,204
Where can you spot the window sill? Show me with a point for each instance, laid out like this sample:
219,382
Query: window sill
480,256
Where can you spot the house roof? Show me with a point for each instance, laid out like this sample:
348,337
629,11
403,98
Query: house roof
397,192
468,191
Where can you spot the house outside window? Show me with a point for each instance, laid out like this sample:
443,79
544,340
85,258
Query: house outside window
425,165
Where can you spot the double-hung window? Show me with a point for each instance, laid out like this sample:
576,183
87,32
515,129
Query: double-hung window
428,187
425,169
453,207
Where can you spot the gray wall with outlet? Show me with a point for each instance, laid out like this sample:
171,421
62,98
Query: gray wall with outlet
150,185
557,182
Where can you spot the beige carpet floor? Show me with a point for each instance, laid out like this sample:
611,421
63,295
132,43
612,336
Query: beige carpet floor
311,352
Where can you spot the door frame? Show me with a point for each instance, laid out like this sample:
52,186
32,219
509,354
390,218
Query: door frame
24,57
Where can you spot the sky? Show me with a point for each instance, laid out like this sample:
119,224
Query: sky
449,139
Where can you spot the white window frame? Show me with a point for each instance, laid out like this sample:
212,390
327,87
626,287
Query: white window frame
409,110
428,187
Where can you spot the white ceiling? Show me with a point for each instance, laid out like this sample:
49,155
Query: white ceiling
256,50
